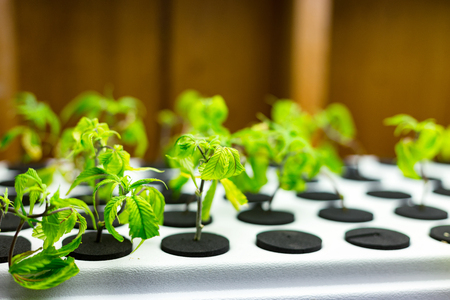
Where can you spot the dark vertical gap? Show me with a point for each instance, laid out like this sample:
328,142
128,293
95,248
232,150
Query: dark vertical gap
165,54
281,48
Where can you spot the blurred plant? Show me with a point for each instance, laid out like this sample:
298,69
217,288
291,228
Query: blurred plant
423,145
40,129
45,267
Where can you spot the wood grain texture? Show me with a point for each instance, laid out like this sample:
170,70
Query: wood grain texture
8,74
67,47
227,48
311,44
390,57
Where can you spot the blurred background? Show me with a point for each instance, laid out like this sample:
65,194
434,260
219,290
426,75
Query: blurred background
378,57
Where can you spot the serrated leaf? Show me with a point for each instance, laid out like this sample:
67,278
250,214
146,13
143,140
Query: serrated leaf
156,200
234,195
52,229
224,163
142,182
207,201
143,222
110,215
43,271
88,175
406,159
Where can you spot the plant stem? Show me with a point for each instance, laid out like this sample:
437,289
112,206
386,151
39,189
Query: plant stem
336,191
199,225
425,183
273,196
100,226
13,243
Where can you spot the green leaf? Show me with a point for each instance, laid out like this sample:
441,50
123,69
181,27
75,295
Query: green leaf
31,142
185,102
110,215
224,163
207,201
156,200
88,175
406,159
70,247
340,119
11,135
136,135
52,229
234,195
43,271
143,222
144,182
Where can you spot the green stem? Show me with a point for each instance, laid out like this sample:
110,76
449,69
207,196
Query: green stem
425,183
199,225
336,191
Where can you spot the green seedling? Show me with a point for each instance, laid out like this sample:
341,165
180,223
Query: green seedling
45,267
422,144
39,131
125,116
217,163
444,151
142,209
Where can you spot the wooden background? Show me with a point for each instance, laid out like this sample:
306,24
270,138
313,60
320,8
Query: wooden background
379,57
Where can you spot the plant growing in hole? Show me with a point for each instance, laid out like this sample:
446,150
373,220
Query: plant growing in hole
125,115
37,117
254,143
142,209
45,267
217,163
423,144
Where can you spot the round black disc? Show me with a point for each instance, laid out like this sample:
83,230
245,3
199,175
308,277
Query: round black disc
318,196
387,161
108,248
182,219
441,233
421,212
183,244
22,168
22,245
182,199
389,194
377,238
353,174
265,217
10,223
288,241
442,191
8,183
254,198
101,215
348,215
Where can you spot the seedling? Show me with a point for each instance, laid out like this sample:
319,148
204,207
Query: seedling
109,165
125,115
217,164
423,144
45,267
36,140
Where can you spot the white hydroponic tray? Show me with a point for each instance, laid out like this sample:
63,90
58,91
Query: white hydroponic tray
338,271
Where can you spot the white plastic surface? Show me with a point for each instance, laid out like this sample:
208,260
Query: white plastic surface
338,271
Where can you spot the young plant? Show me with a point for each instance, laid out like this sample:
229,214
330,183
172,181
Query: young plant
45,267
125,115
422,144
142,209
217,164
36,117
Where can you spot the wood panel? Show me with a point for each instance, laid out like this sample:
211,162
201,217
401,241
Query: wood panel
8,73
311,30
67,47
390,57
227,47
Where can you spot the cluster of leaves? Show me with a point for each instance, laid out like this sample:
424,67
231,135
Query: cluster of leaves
143,209
217,164
37,117
126,114
45,267
423,143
